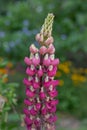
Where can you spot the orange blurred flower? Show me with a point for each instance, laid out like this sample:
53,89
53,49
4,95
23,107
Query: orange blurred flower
61,82
58,74
77,78
5,80
9,65
3,71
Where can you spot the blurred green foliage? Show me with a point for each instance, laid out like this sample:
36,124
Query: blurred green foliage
23,19
8,97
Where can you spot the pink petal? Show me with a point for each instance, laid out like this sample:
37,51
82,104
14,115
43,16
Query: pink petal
47,84
53,93
43,50
26,82
28,121
55,62
33,49
53,109
44,111
54,82
29,93
30,72
26,111
42,95
46,62
51,49
38,106
36,85
35,61
54,102
53,72
33,112
52,119
38,37
27,61
49,41
40,73
27,102
37,123
48,105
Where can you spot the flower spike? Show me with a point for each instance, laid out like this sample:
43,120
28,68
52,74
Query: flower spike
40,85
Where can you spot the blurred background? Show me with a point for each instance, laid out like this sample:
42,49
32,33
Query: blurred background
20,20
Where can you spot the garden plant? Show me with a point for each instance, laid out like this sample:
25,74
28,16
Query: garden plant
40,84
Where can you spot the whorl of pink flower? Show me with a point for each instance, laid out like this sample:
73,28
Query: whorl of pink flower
27,61
28,102
38,37
49,40
28,121
51,49
33,49
43,50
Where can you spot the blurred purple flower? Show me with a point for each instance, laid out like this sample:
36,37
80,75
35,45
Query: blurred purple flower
39,9
34,31
2,34
9,13
8,49
7,22
51,6
26,22
26,31
12,44
63,36
18,41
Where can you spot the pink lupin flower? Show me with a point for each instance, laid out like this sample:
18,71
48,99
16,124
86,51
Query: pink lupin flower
27,82
53,109
37,122
29,127
36,85
51,49
27,61
53,93
38,37
52,119
42,93
29,93
36,60
52,57
55,62
52,72
54,102
28,120
26,111
49,41
33,112
38,104
40,72
28,102
44,110
55,82
43,50
46,60
30,72
33,49
48,105
40,84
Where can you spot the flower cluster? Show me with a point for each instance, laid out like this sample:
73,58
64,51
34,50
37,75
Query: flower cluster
40,84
